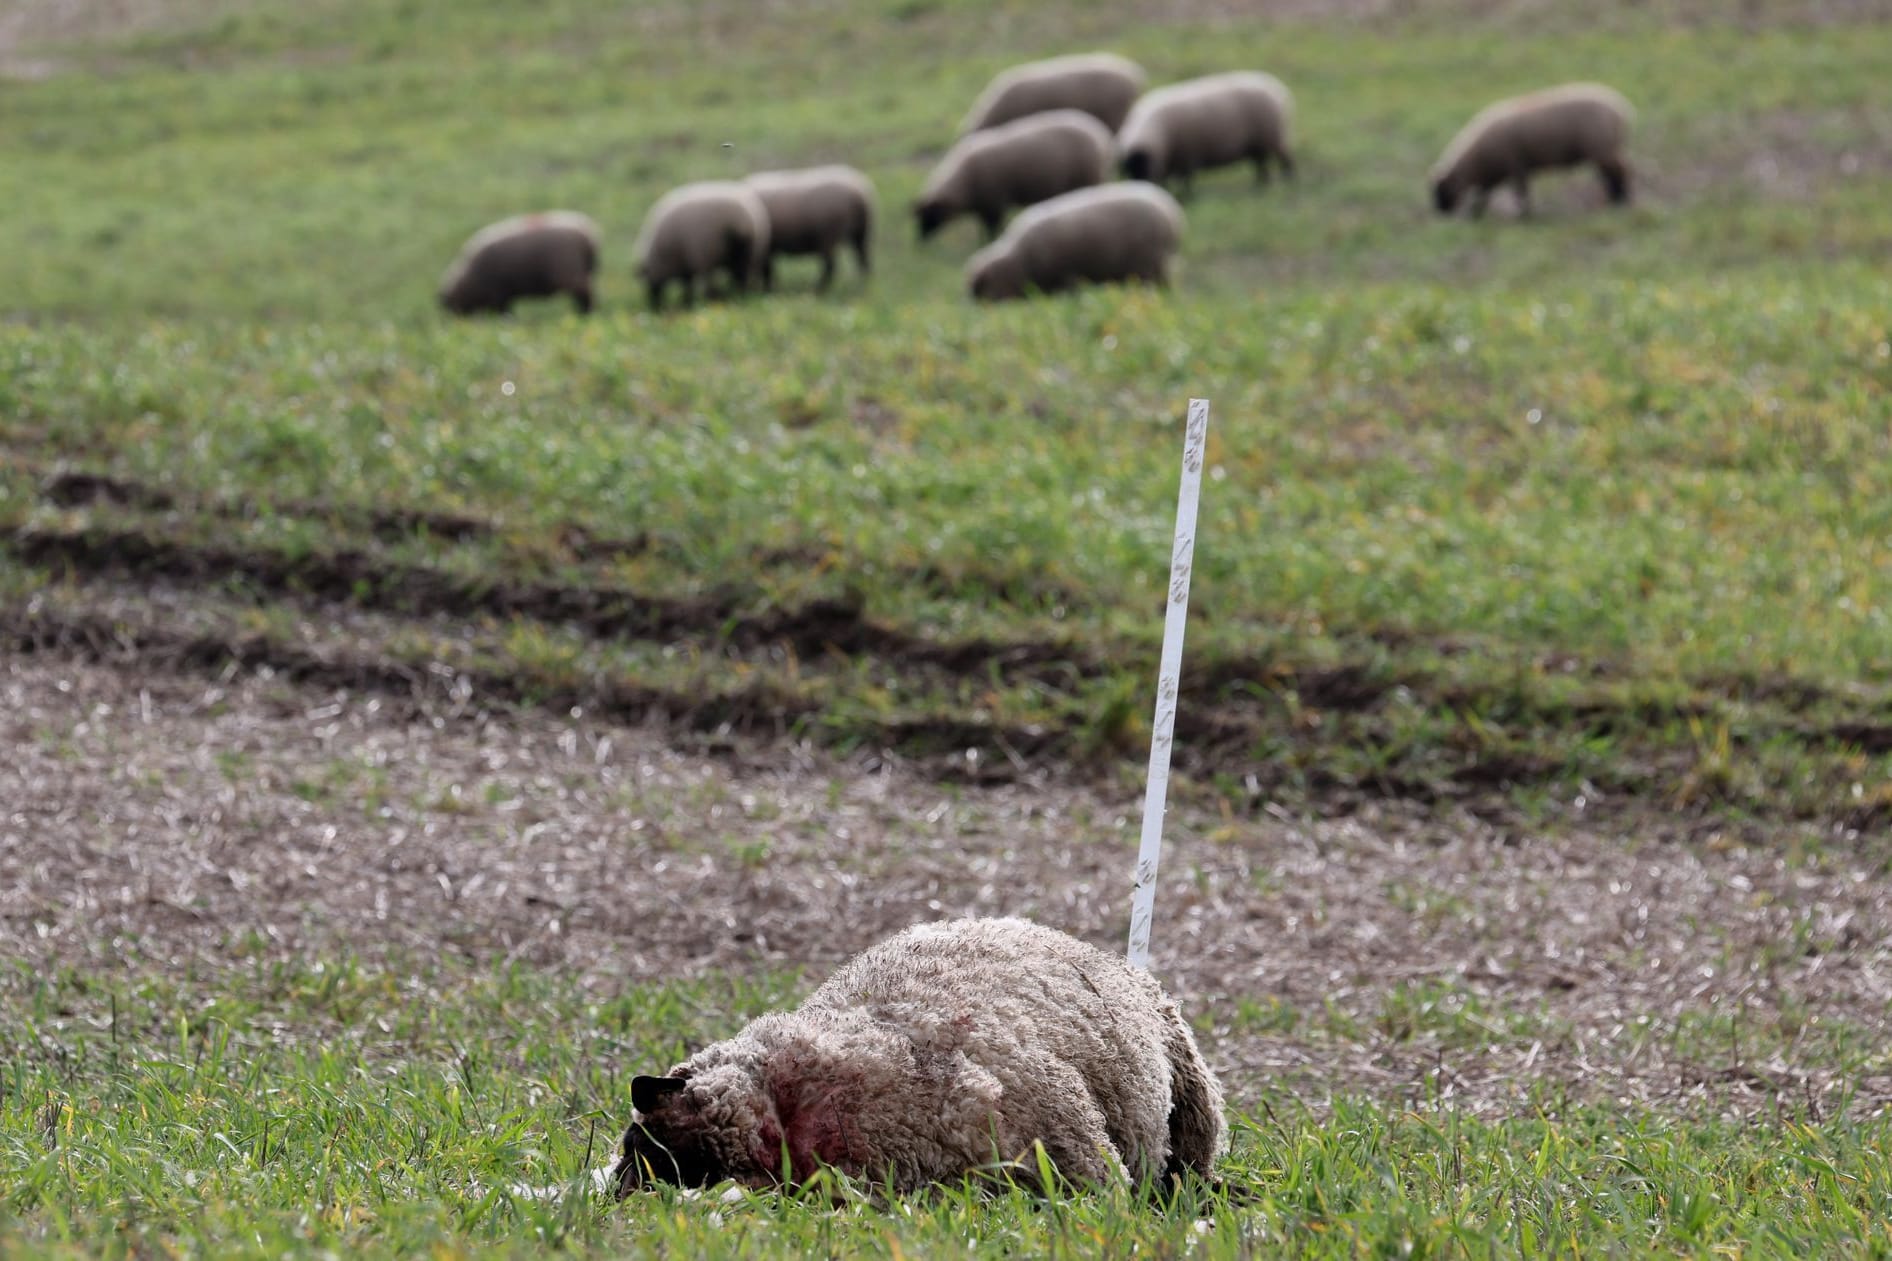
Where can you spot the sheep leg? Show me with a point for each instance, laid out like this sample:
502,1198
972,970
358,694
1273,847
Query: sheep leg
1196,1132
581,298
768,273
860,252
1521,185
1615,173
741,265
827,271
1286,161
654,291
993,221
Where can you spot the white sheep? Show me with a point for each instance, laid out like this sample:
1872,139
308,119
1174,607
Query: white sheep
935,1055
697,230
1508,142
1103,85
1116,232
1200,124
527,256
815,211
1017,164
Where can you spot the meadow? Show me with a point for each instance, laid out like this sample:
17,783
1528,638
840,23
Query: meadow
1577,526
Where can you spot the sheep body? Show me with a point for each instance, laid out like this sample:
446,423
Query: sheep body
526,256
815,211
1200,124
1511,140
697,230
1016,164
1092,236
1103,85
930,1056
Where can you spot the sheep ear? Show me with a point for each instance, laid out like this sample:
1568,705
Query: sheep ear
648,1093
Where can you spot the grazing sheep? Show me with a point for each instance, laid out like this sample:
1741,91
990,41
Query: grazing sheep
1092,236
699,229
929,1057
527,256
1200,124
1017,164
815,211
1508,142
1103,85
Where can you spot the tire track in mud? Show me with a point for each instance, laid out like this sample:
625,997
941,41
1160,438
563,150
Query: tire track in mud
1224,730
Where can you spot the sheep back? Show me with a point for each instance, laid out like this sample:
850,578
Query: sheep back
1200,124
526,256
1015,164
1102,85
1556,127
698,228
1092,236
930,1054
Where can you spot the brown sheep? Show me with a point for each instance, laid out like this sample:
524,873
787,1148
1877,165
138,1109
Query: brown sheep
697,230
1200,124
1508,142
1103,85
1017,164
1093,236
527,256
815,211
934,1055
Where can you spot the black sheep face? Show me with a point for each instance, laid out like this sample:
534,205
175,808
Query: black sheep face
930,217
1444,196
668,1142
1138,164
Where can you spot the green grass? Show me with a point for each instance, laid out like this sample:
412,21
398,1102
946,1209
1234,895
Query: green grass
301,1109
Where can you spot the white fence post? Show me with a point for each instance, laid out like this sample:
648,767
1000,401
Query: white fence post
1168,683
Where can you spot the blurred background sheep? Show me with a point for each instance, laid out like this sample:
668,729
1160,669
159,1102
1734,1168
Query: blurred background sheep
815,212
992,172
1201,124
1512,140
697,230
1102,85
528,256
1115,232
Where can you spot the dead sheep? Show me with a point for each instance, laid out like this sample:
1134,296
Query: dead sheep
1200,124
528,256
1017,164
1093,236
815,211
933,1055
1103,85
1510,141
697,230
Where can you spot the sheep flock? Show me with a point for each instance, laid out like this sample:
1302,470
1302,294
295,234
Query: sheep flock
1042,141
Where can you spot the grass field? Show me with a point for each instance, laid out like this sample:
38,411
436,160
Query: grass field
1530,550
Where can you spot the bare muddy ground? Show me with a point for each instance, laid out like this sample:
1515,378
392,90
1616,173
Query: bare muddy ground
150,821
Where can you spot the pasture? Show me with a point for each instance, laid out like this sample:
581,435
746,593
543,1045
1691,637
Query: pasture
416,726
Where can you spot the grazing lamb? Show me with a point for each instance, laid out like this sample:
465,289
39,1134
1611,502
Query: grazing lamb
1200,124
1508,142
1092,236
815,211
933,1055
1017,164
1103,85
697,230
527,256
